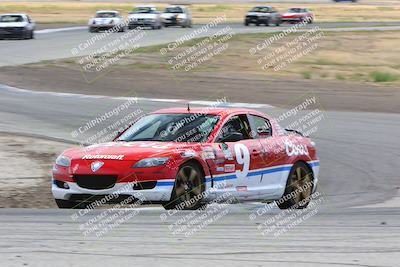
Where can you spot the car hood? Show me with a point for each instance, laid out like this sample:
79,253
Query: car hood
170,15
12,24
104,20
255,13
291,14
132,151
143,16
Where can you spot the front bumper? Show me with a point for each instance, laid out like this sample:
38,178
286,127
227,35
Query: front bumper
102,27
174,22
161,192
252,19
12,32
291,19
141,23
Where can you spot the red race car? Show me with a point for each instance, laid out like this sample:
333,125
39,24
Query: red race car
295,15
183,158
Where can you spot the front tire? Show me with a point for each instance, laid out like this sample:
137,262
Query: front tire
188,189
298,189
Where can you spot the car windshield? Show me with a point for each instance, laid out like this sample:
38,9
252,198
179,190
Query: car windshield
11,18
260,9
106,15
143,10
175,10
188,127
295,10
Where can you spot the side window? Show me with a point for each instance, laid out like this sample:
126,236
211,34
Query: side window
261,127
237,125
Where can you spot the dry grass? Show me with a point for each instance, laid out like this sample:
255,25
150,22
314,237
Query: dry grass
351,56
348,56
72,12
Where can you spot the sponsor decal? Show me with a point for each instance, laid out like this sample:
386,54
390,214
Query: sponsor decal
75,168
295,149
95,166
225,186
228,154
208,153
219,161
229,167
220,169
188,154
242,188
114,157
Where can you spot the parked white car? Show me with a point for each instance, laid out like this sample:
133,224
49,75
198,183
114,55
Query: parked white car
176,16
19,26
105,20
145,16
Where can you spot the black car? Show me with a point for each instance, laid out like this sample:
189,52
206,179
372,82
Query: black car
263,15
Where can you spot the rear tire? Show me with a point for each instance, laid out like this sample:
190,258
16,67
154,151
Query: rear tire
188,189
298,189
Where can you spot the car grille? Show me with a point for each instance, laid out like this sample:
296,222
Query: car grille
95,182
252,17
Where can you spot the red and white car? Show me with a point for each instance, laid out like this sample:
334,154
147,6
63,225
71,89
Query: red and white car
183,158
296,14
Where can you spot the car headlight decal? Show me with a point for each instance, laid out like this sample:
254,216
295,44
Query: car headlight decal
151,162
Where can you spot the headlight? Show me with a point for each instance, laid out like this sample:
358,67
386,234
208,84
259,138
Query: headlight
151,162
63,161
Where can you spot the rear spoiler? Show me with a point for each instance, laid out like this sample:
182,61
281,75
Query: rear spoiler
295,131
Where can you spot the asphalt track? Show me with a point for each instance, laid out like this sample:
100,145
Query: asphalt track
359,155
48,238
53,44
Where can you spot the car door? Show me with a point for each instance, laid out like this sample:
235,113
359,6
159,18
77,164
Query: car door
274,171
237,160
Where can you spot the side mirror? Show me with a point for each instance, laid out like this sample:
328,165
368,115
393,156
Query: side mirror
233,137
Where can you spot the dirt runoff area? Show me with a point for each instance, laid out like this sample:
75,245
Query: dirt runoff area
25,177
236,87
351,71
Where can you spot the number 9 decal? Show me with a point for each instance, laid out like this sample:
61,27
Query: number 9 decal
243,158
